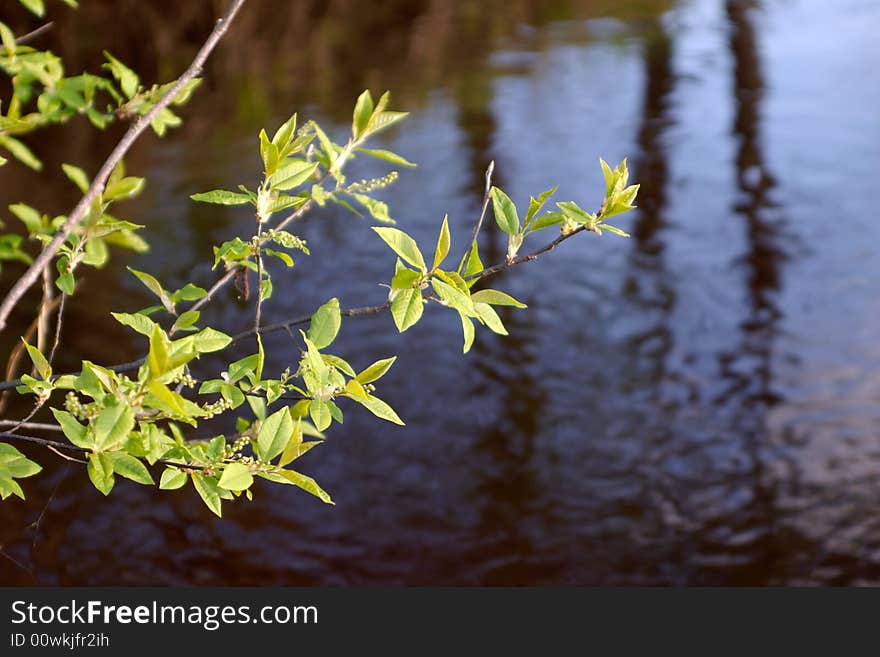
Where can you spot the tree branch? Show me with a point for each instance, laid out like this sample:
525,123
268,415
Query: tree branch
486,196
30,276
67,447
362,311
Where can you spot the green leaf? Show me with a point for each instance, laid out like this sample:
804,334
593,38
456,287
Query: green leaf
296,479
443,242
376,371
186,320
221,197
274,434
189,292
128,79
208,340
405,278
284,133
73,430
236,476
77,176
14,465
268,153
140,323
615,230
377,209
35,6
576,213
403,245
125,465
112,425
325,324
17,464
124,188
378,408
294,448
467,327
505,212
406,309
320,414
363,111
158,356
20,152
100,469
209,492
172,479
535,205
496,298
546,220
383,120
295,175
388,156
155,287
338,363
454,297
471,263
39,361
490,317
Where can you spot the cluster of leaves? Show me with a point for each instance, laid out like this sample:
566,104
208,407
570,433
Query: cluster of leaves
43,95
128,426
414,284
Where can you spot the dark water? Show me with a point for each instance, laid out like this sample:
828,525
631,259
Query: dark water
695,405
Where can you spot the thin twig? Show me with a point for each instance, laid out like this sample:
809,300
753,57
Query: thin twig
34,34
30,276
65,456
59,319
486,196
67,447
44,312
258,254
36,426
228,276
354,312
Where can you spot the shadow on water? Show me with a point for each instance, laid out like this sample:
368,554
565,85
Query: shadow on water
639,425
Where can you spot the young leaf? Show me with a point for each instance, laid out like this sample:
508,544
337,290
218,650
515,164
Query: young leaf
125,465
73,430
319,411
274,434
100,469
172,479
443,242
388,156
39,361
378,408
112,425
186,320
222,197
155,287
496,298
296,479
403,245
490,317
363,111
377,209
236,476
209,492
505,212
376,371
467,327
406,309
325,324
77,176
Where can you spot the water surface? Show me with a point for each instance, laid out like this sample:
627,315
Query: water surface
695,405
